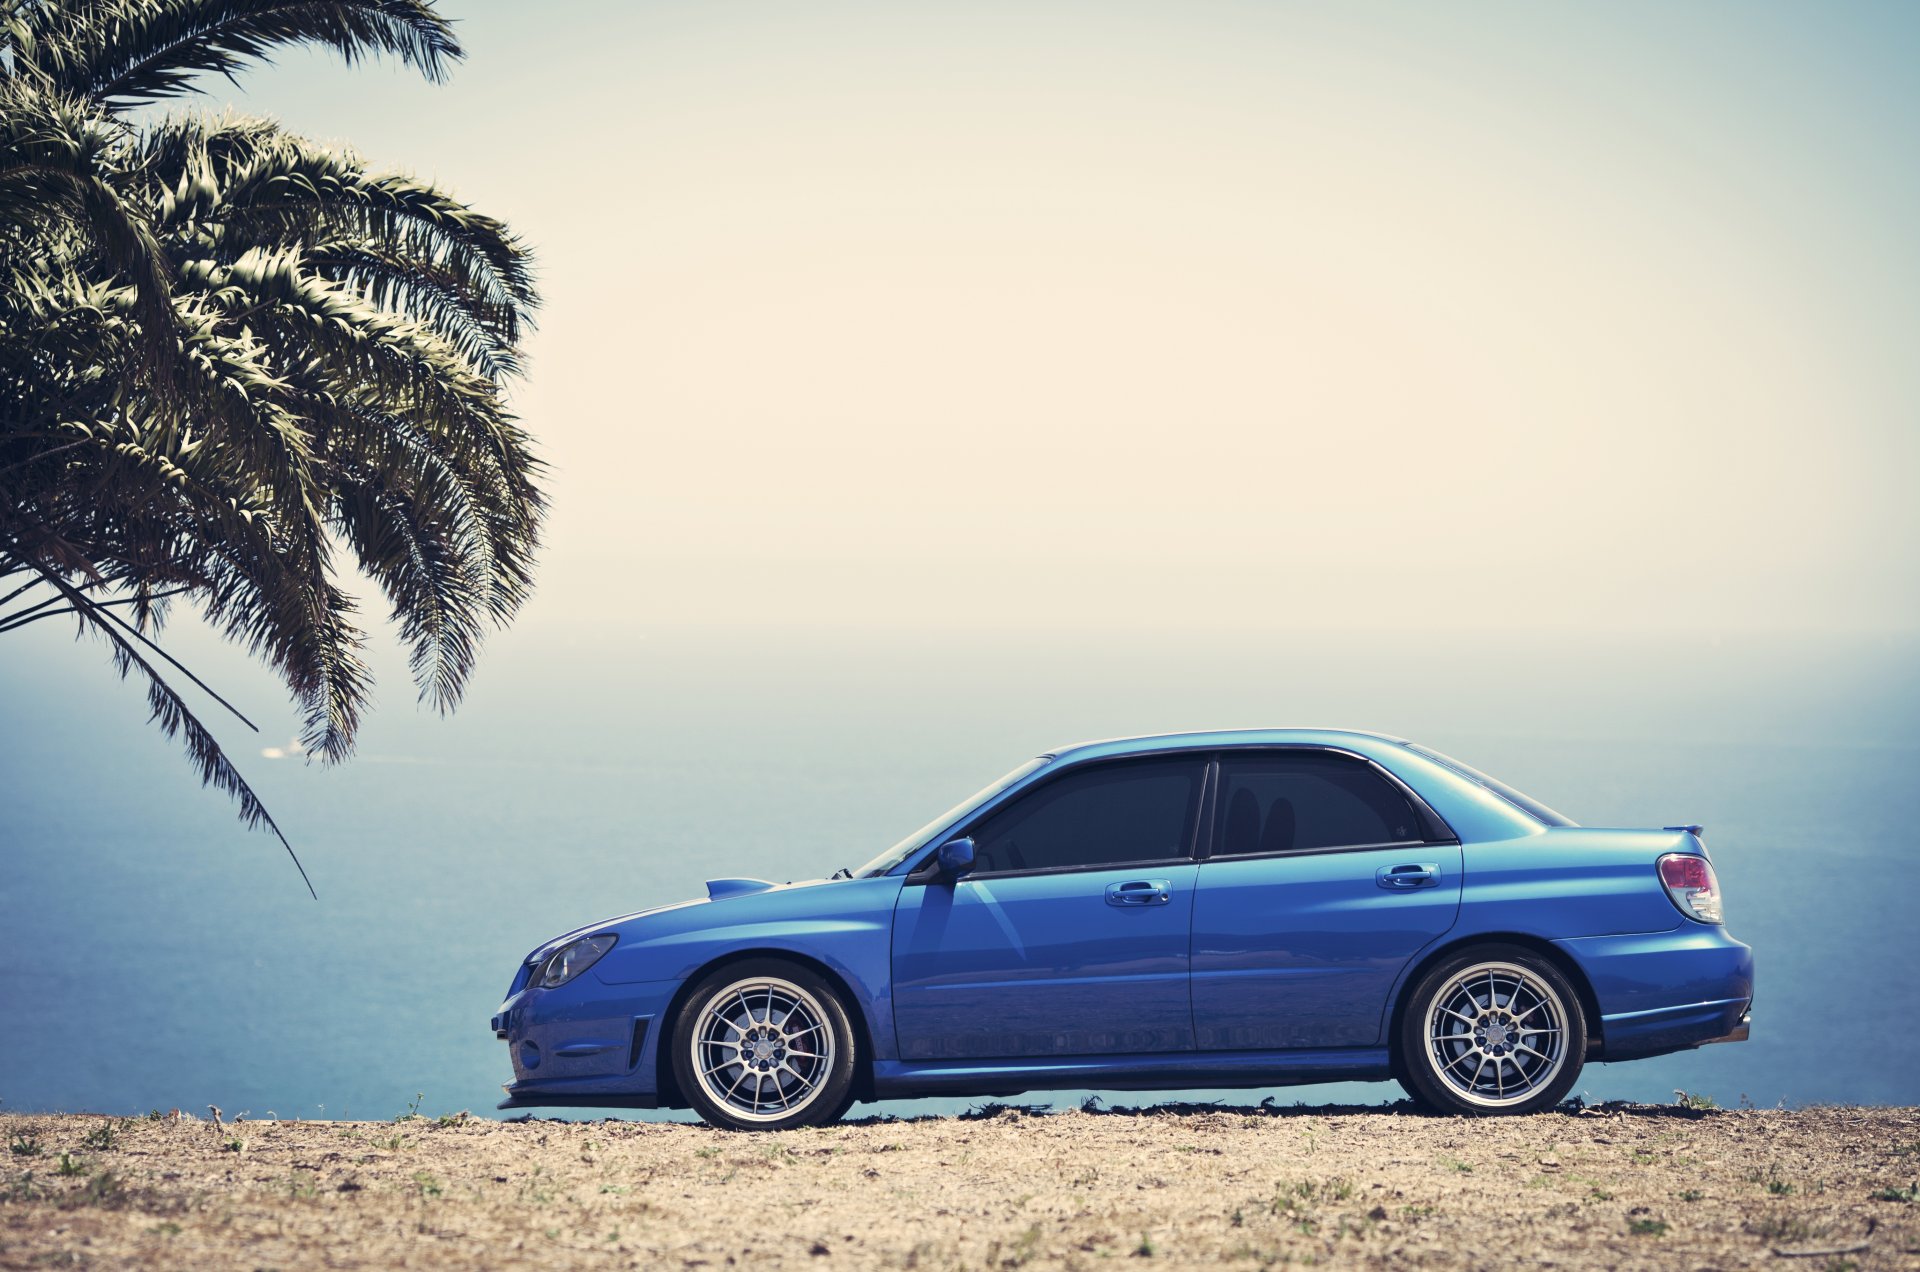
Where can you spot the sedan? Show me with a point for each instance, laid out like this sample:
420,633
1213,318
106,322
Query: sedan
1240,909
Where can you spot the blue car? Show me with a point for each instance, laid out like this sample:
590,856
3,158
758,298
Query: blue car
1232,909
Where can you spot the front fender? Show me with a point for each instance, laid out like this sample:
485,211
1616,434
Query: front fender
845,926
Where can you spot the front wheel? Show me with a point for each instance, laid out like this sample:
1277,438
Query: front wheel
1497,1029
764,1045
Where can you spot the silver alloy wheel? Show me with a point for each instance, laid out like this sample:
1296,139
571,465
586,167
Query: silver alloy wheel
1496,1034
762,1048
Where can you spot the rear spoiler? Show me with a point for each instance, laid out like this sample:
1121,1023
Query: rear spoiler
1693,831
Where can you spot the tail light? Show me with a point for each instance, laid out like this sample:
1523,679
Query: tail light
1689,880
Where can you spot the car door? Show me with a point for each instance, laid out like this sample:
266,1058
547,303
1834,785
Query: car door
1322,879
1070,935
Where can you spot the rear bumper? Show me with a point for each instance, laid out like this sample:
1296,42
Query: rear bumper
1651,1033
1667,991
1740,1029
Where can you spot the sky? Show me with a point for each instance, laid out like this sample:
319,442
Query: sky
1075,316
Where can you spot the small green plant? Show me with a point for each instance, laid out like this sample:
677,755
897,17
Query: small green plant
1907,1194
1779,1187
1842,1265
1647,1227
1145,1249
101,1189
428,1185
1691,1194
1699,1101
413,1109
167,1228
235,1145
1641,1157
71,1165
392,1142
103,1137
1416,1212
25,1144
1600,1194
1457,1167
1781,1228
1020,1252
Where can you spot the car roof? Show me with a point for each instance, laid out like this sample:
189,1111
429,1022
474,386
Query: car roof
1362,740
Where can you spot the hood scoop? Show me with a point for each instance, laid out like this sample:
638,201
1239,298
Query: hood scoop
718,889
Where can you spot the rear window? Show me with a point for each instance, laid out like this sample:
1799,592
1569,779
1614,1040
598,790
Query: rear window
1531,807
1307,801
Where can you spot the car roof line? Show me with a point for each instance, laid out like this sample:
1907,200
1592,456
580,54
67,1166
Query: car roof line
1058,751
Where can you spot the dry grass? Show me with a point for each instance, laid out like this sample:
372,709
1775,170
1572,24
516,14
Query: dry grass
1631,1187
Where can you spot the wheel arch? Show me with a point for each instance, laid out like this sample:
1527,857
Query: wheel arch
1569,967
668,1086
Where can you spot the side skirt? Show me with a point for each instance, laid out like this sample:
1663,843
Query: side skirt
904,1079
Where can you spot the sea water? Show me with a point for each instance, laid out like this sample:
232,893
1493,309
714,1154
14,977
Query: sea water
158,956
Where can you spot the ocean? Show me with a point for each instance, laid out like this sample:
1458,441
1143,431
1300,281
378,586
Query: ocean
162,957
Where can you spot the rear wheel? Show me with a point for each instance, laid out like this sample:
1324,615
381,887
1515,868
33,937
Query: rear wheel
1495,1029
764,1045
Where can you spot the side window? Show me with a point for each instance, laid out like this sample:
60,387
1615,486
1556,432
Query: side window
1113,814
1303,801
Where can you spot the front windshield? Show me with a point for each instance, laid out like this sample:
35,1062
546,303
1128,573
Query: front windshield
900,851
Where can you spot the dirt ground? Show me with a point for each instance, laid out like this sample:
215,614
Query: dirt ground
1635,1186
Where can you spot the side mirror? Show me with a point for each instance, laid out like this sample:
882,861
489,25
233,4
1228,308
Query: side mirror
955,857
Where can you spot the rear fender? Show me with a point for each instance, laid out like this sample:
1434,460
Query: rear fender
1571,882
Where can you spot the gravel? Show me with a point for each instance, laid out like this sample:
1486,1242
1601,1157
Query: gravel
1610,1187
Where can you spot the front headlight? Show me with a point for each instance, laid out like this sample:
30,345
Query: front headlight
572,959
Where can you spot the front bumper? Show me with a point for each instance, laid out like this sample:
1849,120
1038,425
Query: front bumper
538,1098
584,1044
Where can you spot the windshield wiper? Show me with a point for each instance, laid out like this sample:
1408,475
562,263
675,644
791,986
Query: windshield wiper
841,873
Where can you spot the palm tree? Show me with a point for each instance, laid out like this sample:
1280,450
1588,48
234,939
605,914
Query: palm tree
231,360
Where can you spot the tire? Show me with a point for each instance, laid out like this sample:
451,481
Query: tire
800,1050
1472,1038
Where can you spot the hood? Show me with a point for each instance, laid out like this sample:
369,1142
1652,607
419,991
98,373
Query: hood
717,890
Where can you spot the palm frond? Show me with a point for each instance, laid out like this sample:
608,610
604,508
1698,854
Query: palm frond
132,52
235,364
176,719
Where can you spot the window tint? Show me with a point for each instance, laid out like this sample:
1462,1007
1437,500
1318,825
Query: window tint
1116,813
1295,803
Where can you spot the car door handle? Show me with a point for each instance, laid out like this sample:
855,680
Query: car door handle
1140,892
1408,877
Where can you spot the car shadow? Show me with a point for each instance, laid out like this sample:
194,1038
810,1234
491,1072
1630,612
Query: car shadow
1273,1108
